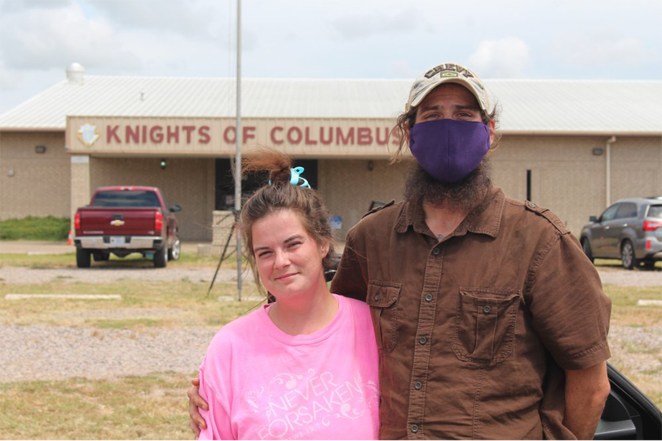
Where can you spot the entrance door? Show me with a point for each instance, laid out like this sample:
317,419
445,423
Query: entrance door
249,184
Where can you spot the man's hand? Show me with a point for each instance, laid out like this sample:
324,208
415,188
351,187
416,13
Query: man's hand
195,401
586,391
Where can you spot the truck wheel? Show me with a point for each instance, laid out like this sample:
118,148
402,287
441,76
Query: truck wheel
161,258
83,258
175,251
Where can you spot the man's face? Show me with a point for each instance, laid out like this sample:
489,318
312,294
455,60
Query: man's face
451,101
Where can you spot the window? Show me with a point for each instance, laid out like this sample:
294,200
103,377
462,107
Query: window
655,211
121,198
609,213
626,210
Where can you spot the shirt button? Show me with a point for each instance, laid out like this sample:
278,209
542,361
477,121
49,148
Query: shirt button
487,309
436,251
423,340
414,428
418,385
378,296
428,297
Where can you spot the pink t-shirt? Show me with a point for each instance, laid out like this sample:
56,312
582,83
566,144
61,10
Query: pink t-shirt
262,383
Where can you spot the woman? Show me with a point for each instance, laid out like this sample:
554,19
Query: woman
304,366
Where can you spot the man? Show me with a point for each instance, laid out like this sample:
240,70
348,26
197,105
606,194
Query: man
491,322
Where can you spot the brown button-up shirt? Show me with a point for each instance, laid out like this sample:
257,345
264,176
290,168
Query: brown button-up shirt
475,330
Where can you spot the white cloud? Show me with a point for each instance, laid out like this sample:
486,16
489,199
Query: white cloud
366,25
179,16
11,6
601,49
504,58
52,38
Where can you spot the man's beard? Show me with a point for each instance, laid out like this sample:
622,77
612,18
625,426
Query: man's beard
420,187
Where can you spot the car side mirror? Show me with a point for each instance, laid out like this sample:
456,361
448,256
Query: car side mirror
593,219
175,208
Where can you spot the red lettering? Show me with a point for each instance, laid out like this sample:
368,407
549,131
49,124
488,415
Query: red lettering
294,135
364,136
309,141
342,139
156,134
379,140
132,135
248,132
204,135
172,134
272,135
144,138
230,130
111,134
188,130
329,140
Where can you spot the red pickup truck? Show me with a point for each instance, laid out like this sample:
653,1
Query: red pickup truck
125,220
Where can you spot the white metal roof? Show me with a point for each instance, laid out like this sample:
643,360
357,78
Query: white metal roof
527,106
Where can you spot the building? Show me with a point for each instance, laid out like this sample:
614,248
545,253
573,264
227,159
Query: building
571,146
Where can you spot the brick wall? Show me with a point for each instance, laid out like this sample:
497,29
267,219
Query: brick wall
33,183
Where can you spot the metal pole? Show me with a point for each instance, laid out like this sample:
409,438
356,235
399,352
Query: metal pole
237,174
610,141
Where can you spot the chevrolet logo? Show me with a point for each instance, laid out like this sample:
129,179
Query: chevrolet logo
117,222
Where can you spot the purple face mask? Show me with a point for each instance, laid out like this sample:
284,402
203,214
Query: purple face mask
449,150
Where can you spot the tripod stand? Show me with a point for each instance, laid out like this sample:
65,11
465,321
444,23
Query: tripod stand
224,255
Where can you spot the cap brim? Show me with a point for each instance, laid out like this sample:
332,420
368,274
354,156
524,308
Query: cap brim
455,80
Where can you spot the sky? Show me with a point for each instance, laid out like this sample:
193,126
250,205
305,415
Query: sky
528,39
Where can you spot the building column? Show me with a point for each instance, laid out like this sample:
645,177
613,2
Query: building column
80,182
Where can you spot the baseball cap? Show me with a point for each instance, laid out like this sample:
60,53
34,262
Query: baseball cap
448,73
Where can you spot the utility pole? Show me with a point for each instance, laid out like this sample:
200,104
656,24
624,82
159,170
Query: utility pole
237,163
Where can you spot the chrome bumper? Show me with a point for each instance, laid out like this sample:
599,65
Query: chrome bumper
118,242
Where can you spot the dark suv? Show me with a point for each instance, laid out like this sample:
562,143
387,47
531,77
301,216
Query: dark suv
630,230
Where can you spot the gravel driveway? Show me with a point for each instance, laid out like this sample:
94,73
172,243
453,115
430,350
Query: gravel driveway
107,274
52,353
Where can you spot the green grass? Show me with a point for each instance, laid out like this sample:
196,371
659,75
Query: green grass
35,228
147,407
182,303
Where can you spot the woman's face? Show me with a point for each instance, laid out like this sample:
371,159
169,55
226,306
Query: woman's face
288,259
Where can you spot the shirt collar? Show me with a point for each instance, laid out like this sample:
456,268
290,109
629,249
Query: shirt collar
485,218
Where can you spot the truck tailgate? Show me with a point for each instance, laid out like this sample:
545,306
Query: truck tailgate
120,221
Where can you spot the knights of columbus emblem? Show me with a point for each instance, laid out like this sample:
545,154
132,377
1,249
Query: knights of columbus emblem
88,134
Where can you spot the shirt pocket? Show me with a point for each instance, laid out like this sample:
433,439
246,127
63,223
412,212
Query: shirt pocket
485,326
383,300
